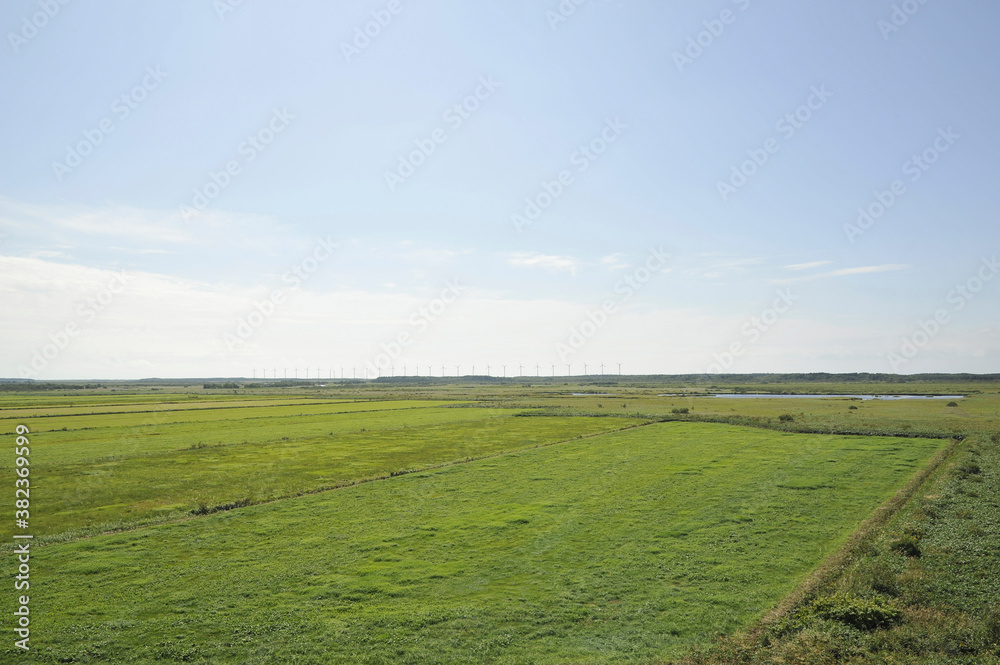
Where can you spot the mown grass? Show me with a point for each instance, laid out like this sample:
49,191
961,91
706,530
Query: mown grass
82,419
134,405
117,477
621,548
87,439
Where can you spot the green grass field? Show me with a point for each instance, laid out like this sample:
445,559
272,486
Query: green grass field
444,524
115,471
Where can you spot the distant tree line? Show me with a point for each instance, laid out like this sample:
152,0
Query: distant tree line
7,385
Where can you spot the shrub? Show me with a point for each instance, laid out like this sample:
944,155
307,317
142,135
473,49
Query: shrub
881,578
682,409
219,386
861,613
786,418
906,545
969,469
852,408
952,404
991,626
205,509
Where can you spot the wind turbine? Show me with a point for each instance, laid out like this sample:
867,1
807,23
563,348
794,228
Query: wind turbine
404,371
442,371
602,368
619,369
429,372
487,369
585,369
286,372
520,369
275,373
538,368
553,370
457,370
307,371
355,371
505,371
255,373
568,372
392,370
296,372
473,370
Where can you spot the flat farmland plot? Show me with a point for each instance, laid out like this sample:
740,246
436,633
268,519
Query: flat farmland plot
93,478
213,413
627,547
13,409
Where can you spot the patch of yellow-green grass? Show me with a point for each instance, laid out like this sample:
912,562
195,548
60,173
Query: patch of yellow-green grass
113,478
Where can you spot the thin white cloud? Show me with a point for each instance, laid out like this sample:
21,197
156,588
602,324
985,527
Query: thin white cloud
807,266
868,269
436,255
62,223
616,261
120,221
412,250
714,266
550,262
844,272
138,250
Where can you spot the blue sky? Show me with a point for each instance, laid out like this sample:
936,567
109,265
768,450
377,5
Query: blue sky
695,265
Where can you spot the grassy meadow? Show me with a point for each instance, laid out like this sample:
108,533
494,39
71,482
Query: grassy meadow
502,523
114,471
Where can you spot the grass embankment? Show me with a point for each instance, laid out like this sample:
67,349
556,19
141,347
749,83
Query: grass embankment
923,588
622,548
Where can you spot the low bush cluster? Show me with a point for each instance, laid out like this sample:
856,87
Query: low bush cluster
860,613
